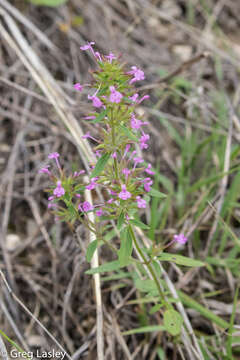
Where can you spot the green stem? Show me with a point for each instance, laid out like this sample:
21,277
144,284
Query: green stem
113,143
150,269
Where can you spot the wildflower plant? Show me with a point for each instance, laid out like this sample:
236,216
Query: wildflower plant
123,176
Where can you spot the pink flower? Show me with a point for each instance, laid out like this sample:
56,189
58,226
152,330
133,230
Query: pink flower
97,55
110,57
126,150
59,190
91,117
143,139
55,156
115,96
137,74
143,98
136,123
148,170
95,101
137,160
78,86
114,155
99,212
124,194
87,206
45,170
89,136
134,97
88,46
180,238
98,153
126,172
147,183
141,203
92,184
78,173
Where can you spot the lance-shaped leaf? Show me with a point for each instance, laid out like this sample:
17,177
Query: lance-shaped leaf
48,2
91,250
156,193
126,247
100,165
110,266
180,260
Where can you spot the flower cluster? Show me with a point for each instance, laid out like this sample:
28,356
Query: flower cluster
122,175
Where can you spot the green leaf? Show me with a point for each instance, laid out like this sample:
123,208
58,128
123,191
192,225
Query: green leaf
139,224
48,2
129,133
147,285
100,165
180,260
144,329
156,193
193,304
125,250
91,250
99,117
120,220
155,308
110,266
172,321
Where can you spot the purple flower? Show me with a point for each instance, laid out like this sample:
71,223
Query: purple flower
143,139
148,170
92,184
78,173
91,117
55,156
88,46
99,212
97,56
137,74
95,101
78,86
124,194
110,201
147,183
137,160
134,97
126,150
180,238
141,203
126,172
114,155
87,206
143,98
135,123
115,96
89,136
110,57
59,190
45,170
98,153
